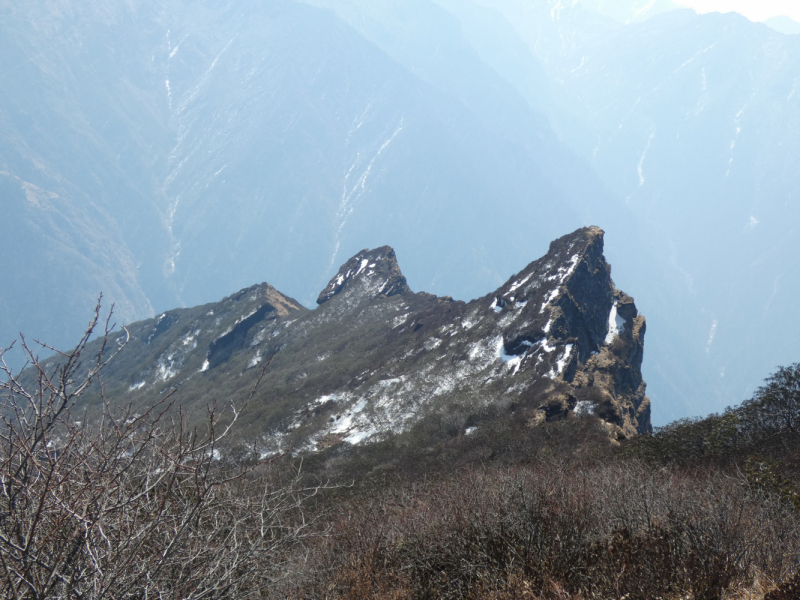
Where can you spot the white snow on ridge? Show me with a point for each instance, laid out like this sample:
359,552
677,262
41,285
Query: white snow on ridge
471,320
616,324
345,423
335,397
565,271
137,386
549,299
517,284
562,363
509,359
364,263
357,436
399,320
254,360
258,338
166,371
432,344
245,317
191,340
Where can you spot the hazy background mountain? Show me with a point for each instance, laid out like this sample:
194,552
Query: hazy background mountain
171,152
783,25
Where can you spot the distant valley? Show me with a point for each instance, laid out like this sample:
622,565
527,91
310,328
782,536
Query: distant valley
169,153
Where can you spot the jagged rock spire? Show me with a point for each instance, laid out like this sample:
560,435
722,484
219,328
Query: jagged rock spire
374,272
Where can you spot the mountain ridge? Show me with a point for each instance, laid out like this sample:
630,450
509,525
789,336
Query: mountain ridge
375,359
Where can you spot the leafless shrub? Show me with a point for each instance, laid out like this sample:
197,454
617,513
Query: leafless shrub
117,504
557,530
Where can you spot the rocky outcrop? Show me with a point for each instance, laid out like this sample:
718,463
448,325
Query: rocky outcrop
369,274
572,313
374,358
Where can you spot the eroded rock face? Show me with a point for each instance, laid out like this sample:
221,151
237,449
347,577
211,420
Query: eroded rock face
368,275
564,311
375,358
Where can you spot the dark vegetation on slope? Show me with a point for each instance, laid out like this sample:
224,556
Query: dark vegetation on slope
139,505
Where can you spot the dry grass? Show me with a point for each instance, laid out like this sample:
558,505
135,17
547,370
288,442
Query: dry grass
554,531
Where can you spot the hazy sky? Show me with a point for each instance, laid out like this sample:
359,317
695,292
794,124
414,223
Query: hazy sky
755,10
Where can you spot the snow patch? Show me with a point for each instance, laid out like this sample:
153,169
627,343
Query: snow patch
357,436
562,363
137,386
400,320
254,360
167,366
205,366
364,263
565,271
335,397
191,340
510,359
258,338
432,344
244,317
470,321
616,324
550,297
546,346
517,284
584,407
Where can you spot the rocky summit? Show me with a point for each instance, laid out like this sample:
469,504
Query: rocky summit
375,358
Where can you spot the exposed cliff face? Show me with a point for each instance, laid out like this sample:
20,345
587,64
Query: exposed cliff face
375,358
564,311
357,277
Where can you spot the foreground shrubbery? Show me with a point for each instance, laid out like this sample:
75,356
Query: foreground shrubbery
552,530
136,506
116,504
766,425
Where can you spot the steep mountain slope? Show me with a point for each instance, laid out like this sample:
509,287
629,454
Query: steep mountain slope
189,148
75,151
375,358
691,120
192,136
